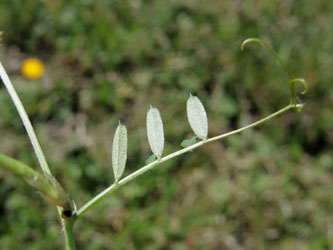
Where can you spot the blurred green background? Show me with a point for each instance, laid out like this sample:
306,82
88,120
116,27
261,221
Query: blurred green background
267,188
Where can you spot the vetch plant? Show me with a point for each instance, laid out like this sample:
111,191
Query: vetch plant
119,152
197,117
50,188
155,132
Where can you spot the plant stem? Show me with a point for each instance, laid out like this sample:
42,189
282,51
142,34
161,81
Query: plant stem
150,166
257,40
25,119
68,227
290,106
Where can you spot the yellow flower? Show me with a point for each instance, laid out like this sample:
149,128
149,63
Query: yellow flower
32,68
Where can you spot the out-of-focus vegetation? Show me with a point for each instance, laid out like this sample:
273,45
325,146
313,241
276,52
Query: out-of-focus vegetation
268,188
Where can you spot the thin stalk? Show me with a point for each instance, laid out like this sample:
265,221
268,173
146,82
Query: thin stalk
67,228
25,119
150,166
257,40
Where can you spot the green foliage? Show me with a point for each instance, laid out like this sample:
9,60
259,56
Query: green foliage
107,60
155,132
151,159
197,117
119,151
46,185
189,142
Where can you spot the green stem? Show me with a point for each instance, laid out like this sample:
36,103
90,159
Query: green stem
150,166
279,112
292,81
68,227
25,119
257,40
34,141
